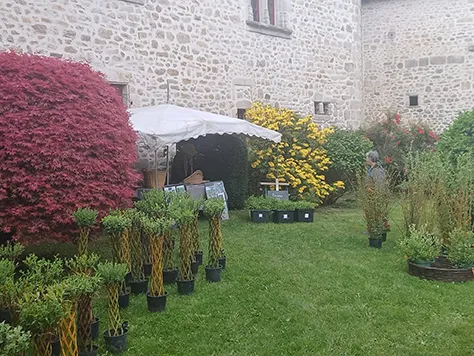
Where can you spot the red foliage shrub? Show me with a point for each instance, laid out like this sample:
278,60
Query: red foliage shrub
65,142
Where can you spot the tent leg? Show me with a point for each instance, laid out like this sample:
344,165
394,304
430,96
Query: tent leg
167,165
156,169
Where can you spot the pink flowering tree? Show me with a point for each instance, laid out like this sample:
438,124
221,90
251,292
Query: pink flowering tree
65,142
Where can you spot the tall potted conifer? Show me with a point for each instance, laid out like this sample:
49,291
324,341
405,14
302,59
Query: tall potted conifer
213,209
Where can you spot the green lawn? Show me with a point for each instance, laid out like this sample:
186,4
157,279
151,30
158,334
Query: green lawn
306,289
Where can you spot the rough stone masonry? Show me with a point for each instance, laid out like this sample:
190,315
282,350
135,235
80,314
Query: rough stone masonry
341,61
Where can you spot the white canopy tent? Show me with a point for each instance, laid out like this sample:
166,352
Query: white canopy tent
163,126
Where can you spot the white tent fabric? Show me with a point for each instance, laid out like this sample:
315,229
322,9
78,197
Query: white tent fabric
170,124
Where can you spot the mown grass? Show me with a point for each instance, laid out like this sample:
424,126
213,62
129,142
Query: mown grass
306,289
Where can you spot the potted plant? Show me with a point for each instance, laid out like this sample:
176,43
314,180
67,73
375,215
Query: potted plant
304,211
14,341
112,275
460,250
197,258
138,284
40,313
155,229
283,211
213,209
85,218
85,265
7,289
260,209
375,198
181,209
420,246
116,227
170,271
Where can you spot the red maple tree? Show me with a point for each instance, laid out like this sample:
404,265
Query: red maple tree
65,142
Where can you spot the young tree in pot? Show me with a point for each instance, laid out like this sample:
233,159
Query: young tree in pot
213,209
155,229
116,227
182,212
420,246
7,290
152,205
304,211
139,284
85,218
40,313
14,341
260,209
197,258
112,275
170,271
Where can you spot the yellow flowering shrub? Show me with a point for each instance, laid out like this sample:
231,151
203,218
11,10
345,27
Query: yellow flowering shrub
299,159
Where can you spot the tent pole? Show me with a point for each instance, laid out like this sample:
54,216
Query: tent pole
156,168
167,164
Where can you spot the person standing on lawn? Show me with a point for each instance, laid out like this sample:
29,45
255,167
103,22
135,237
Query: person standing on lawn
376,172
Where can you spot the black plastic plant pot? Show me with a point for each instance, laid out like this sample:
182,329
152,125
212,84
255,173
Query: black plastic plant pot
95,328
128,278
261,216
56,347
213,274
185,287
5,316
222,261
283,216
139,287
147,269
116,344
170,276
376,243
194,267
156,304
124,300
198,256
93,352
305,216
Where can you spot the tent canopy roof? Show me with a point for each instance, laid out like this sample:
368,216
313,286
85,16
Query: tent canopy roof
170,124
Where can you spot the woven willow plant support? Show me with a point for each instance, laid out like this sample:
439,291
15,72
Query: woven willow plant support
125,249
113,313
146,248
195,232
168,262
215,241
42,344
136,252
156,284
68,330
84,321
186,252
83,240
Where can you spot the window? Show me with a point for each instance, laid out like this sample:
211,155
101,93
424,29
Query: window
269,17
241,113
271,11
413,100
256,10
321,108
122,90
260,9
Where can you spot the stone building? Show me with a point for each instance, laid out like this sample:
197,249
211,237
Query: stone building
341,61
418,58
216,55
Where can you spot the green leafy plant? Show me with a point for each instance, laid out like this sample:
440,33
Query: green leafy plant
153,203
115,226
83,264
303,205
259,203
346,150
112,275
460,250
283,205
420,244
458,139
14,341
213,209
41,272
11,251
84,218
135,242
7,284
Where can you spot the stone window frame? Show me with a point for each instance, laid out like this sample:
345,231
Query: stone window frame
263,24
125,90
139,2
410,95
322,108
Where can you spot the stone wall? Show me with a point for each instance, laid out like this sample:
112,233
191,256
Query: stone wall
418,47
212,56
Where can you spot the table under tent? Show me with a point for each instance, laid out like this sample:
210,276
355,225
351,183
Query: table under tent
161,127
